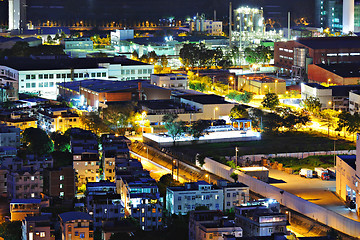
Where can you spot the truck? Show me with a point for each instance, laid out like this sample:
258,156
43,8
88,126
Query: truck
305,172
322,173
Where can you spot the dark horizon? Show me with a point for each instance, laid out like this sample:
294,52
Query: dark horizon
110,10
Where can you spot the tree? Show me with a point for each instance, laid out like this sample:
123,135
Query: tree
120,117
135,55
234,176
345,121
271,101
189,54
260,54
164,61
94,123
312,105
354,124
256,116
198,129
238,111
272,122
329,118
61,141
37,141
175,129
11,230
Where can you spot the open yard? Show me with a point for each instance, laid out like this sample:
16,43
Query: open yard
324,161
282,143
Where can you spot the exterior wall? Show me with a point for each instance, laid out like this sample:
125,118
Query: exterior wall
19,211
321,75
78,43
130,72
354,102
324,95
282,50
60,123
31,231
25,185
3,182
181,202
234,196
218,233
261,88
209,26
176,81
22,125
346,178
60,183
156,93
87,170
44,81
109,169
72,231
149,216
110,210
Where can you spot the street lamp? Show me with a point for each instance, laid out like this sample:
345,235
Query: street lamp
328,81
236,152
147,152
332,104
208,175
215,109
276,81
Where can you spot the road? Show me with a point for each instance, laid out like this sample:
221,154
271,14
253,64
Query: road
314,190
155,169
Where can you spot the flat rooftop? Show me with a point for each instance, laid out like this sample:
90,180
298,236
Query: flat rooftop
205,99
28,64
349,160
330,42
345,70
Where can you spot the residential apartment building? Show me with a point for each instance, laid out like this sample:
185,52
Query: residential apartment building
57,119
332,97
84,147
170,80
3,181
21,208
23,184
261,218
105,207
217,230
60,183
181,200
40,76
76,226
19,120
235,194
113,147
9,136
38,228
30,162
149,215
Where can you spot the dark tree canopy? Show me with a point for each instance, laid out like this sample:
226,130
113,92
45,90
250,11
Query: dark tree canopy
37,141
271,101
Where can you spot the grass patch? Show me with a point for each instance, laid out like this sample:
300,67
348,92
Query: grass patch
324,161
288,142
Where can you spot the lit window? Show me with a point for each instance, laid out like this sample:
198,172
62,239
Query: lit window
42,234
61,185
61,177
62,194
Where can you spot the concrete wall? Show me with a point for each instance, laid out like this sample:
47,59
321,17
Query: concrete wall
291,201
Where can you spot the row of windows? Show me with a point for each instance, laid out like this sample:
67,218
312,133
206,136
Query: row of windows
133,71
64,75
40,84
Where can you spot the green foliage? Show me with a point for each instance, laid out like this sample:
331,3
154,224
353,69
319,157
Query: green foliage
22,49
201,208
329,118
93,122
238,111
271,101
120,117
198,129
192,55
231,164
11,230
234,176
200,158
164,182
37,141
245,97
311,162
260,54
312,105
175,129
62,159
61,141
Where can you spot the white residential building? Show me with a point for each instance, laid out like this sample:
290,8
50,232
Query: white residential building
354,102
181,200
24,184
170,80
9,136
40,76
217,230
235,194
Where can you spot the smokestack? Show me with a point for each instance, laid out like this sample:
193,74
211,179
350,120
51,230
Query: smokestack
230,23
289,25
348,15
214,15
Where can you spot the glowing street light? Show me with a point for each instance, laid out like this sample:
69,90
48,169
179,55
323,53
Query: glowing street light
236,152
328,81
208,176
215,109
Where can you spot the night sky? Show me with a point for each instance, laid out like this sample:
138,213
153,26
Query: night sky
104,10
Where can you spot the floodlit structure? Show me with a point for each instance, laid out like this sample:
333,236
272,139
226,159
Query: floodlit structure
348,15
17,14
200,24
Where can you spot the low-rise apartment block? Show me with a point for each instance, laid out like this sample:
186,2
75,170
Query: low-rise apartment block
38,228
76,226
181,200
60,183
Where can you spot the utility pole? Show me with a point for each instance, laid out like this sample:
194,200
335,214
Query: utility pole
289,22
230,23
